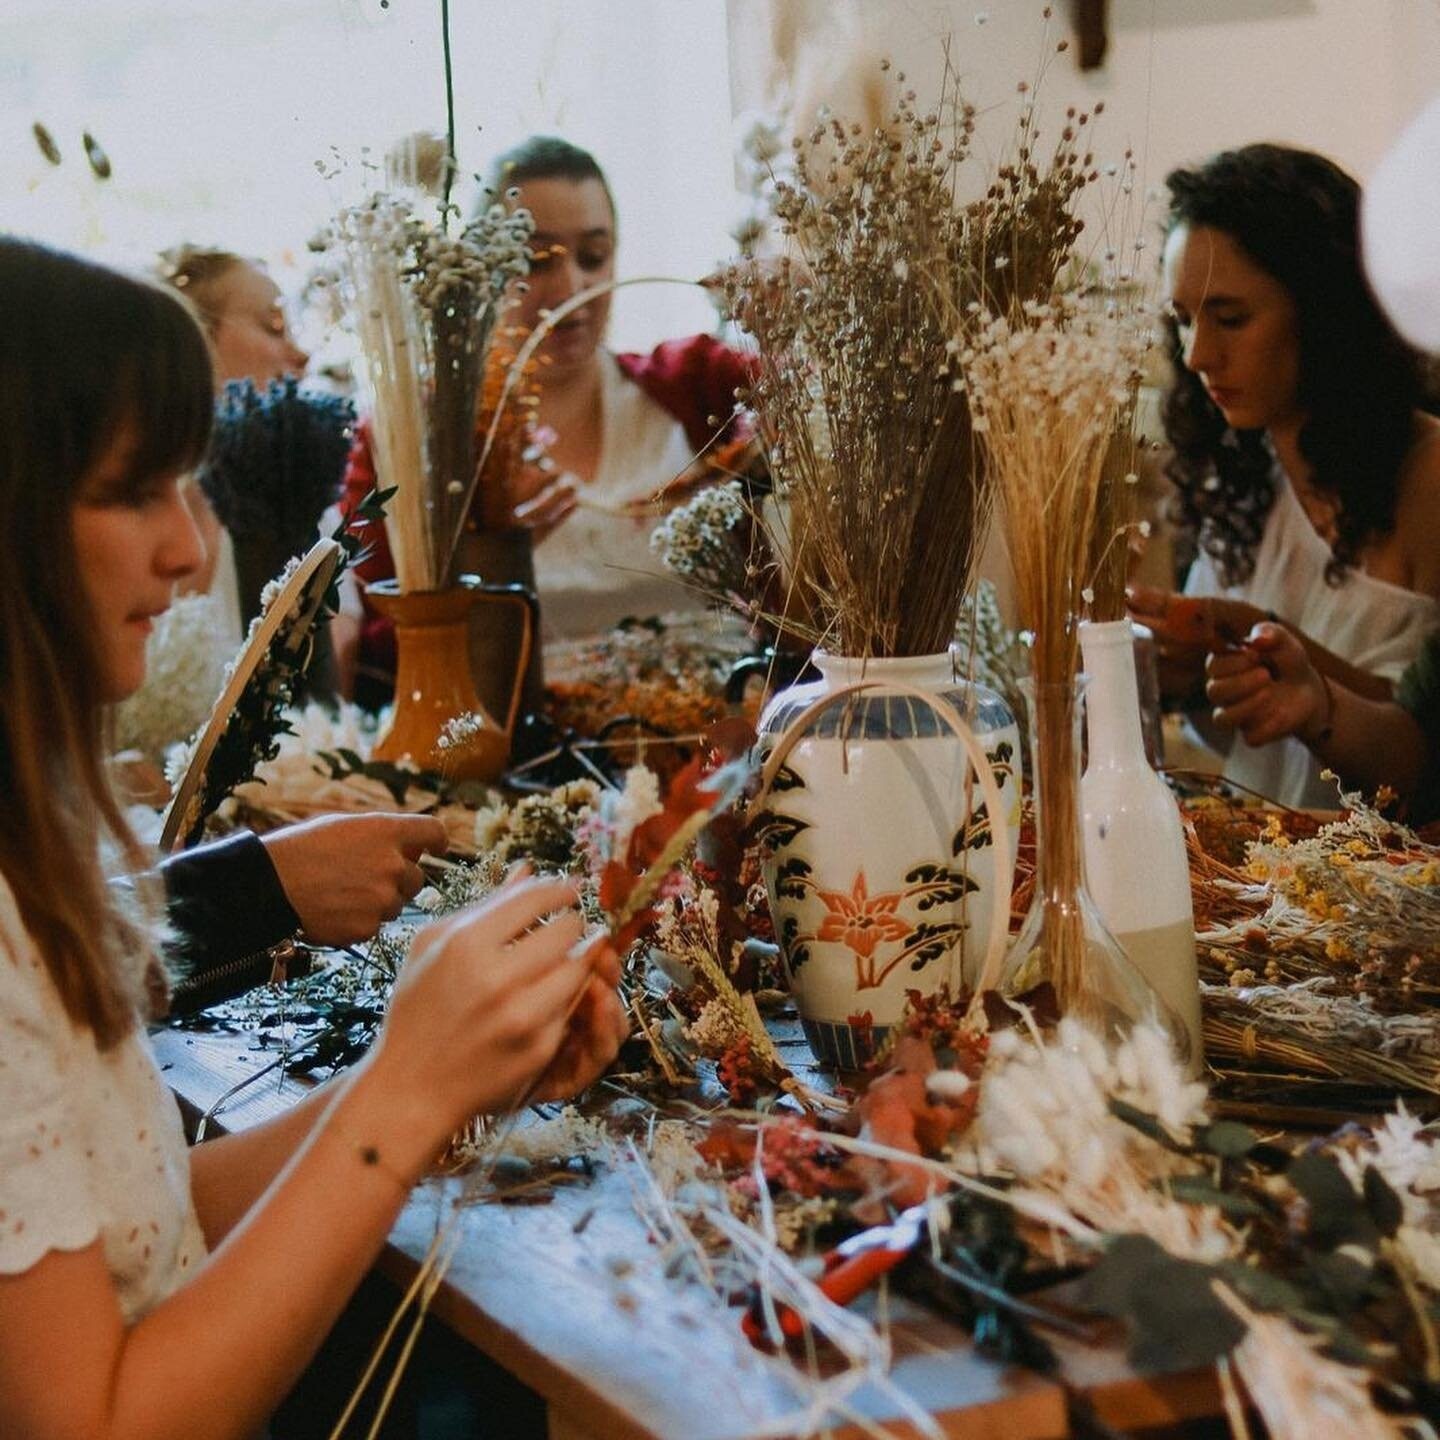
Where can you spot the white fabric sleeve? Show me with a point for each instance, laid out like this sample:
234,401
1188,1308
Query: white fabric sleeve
45,1200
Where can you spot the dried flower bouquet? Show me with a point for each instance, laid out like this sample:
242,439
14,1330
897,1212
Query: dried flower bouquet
424,304
870,434
1049,385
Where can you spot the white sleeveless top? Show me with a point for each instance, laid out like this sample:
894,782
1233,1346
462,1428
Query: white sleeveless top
596,566
1376,626
91,1143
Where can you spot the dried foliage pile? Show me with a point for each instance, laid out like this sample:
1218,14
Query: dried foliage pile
1320,943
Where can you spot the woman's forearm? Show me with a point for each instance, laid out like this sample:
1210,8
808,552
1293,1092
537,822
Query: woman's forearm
214,1359
1370,743
1361,683
231,1172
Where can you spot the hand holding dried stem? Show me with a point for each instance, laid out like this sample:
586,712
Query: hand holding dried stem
482,1012
1188,628
1270,687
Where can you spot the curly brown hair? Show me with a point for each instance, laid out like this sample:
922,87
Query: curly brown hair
1295,214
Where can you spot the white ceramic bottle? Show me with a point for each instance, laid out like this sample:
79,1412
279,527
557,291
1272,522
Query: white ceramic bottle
1135,863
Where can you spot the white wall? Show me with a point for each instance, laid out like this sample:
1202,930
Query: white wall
1184,78
215,112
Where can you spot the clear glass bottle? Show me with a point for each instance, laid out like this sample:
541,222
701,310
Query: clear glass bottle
1064,940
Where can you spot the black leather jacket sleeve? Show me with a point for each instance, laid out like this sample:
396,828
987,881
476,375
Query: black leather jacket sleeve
224,901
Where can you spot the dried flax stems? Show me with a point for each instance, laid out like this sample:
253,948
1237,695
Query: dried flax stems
1047,384
871,442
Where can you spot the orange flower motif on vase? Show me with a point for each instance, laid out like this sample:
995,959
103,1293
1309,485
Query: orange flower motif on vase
862,922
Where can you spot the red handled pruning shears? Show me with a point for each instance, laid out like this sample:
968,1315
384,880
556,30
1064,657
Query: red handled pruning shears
848,1270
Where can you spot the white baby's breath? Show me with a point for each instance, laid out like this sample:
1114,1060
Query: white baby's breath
698,540
623,810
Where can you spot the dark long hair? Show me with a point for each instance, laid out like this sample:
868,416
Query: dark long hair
1296,216
83,352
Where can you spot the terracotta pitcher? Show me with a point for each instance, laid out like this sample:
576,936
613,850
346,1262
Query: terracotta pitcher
503,558
433,680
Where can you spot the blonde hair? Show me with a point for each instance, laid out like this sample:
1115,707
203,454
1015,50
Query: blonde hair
198,274
84,352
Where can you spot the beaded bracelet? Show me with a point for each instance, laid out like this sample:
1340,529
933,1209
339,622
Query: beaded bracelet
371,1157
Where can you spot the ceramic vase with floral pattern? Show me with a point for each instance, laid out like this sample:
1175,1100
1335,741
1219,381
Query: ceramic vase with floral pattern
877,847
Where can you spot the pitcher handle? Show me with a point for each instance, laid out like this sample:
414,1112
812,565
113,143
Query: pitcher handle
529,603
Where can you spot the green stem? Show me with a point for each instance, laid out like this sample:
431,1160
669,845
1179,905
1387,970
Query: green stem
451,163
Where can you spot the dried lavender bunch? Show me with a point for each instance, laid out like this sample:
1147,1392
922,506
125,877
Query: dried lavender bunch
871,436
277,459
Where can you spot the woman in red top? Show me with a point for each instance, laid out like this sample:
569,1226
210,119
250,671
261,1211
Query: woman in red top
622,427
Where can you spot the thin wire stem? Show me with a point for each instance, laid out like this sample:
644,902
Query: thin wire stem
451,162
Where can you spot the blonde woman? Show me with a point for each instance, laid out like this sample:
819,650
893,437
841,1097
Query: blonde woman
240,308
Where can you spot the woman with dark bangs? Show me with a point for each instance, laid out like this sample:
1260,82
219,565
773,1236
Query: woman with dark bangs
147,1291
1304,464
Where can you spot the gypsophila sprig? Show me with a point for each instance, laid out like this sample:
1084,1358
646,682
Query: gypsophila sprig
705,543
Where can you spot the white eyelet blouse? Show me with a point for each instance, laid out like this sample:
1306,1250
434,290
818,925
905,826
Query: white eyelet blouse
91,1143
596,566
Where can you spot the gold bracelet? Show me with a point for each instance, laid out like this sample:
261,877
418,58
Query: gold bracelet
370,1156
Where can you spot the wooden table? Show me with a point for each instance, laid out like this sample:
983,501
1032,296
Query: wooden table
620,1352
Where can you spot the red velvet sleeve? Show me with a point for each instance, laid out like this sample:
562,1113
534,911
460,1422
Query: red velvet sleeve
377,634
359,482
695,380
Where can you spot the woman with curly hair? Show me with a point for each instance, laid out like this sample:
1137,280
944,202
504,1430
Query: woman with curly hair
1305,466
